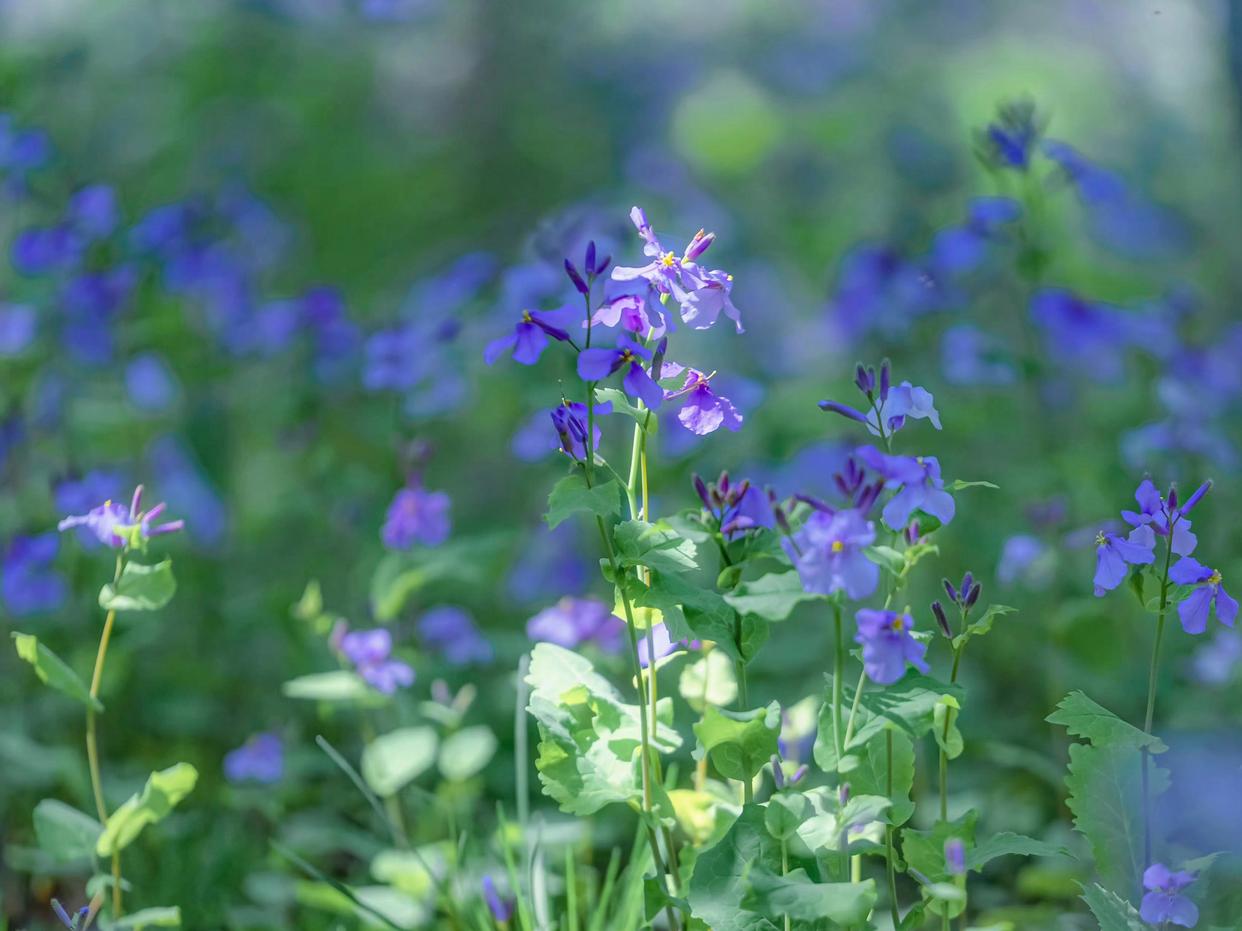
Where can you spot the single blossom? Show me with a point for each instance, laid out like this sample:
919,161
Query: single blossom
531,334
259,759
28,582
1020,558
596,364
1009,142
702,411
663,644
371,653
1114,553
1164,901
921,486
118,526
416,516
887,645
1209,595
451,632
828,552
572,622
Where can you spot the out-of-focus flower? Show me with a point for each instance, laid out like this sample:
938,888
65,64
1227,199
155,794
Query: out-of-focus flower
451,632
921,486
552,564
663,645
259,759
1019,556
969,356
955,856
828,552
1089,337
43,250
530,337
500,909
702,410
371,653
27,581
596,364
1209,595
1214,663
1009,142
19,324
572,622
960,249
150,383
887,645
416,516
1164,901
183,479
93,211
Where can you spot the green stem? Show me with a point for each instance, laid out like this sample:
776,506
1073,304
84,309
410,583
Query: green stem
784,871
1152,675
849,727
838,671
888,832
92,739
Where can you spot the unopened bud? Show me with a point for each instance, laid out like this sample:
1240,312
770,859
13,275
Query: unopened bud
943,621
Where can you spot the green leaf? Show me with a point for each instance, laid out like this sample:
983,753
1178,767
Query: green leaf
851,828
1106,798
52,670
401,575
1006,843
341,685
739,743
163,791
784,814
466,752
772,597
710,680
981,625
621,404
571,495
948,737
957,485
64,833
1082,717
796,895
168,917
589,738
1111,911
657,546
393,760
140,588
719,884
924,851
887,558
869,774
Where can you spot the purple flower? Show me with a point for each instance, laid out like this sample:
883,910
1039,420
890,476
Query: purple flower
1086,336
597,364
903,402
451,631
1215,662
573,621
663,645
370,651
93,211
1114,553
1164,516
969,356
501,910
1164,901
118,526
530,337
1019,556
921,486
40,250
570,422
703,307
887,645
1208,595
630,305
955,856
416,516
1009,142
960,249
259,759
19,325
27,581
828,553
150,384
703,411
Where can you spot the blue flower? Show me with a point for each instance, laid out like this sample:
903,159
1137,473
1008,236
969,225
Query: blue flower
596,364
1164,901
921,486
416,516
1020,556
530,337
451,632
1009,142
259,759
960,249
370,651
970,356
828,552
27,581
887,645
1209,595
572,622
1113,554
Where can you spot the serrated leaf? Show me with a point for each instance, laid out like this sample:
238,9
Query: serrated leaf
981,625
393,760
772,597
589,738
572,495
339,685
52,670
467,752
740,743
163,792
140,588
64,833
1111,911
657,546
1082,717
796,895
1006,843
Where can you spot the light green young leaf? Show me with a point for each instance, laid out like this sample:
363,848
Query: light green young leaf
739,743
571,495
340,685
621,404
981,625
1111,911
798,896
393,760
948,737
140,588
167,917
1082,717
957,485
63,832
887,558
52,670
851,828
467,752
657,546
772,597
163,791
710,680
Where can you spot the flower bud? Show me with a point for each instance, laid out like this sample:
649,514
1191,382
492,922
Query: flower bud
778,775
1196,497
967,581
1172,498
973,596
729,576
700,488
943,621
885,376
843,794
950,590
864,384
700,244
912,533
589,262
798,774
843,409
602,265
576,278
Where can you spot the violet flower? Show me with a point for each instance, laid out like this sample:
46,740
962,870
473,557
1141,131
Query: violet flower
1165,517
259,759
828,553
921,486
416,516
119,527
596,364
451,632
370,651
1114,553
1208,596
572,622
663,644
703,411
887,645
1164,901
955,857
570,422
501,910
530,337
28,583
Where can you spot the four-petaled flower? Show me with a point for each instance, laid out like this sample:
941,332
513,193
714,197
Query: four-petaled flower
416,516
1164,901
530,337
703,411
828,553
887,645
922,487
370,651
1209,595
119,527
597,364
1113,553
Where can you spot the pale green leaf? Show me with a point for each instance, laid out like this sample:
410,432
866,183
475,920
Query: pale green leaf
140,588
52,670
772,597
796,895
467,752
163,791
739,743
657,546
63,832
340,685
166,917
393,760
709,680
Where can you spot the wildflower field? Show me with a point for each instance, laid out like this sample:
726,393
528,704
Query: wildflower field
561,466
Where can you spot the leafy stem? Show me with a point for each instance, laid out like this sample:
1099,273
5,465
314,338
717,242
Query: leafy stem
1152,673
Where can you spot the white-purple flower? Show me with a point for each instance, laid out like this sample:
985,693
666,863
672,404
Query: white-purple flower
1209,595
1164,901
371,653
887,645
702,410
596,364
416,516
827,551
259,759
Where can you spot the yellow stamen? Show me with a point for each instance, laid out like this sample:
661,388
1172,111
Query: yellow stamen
1214,578
1100,539
669,259
898,624
837,546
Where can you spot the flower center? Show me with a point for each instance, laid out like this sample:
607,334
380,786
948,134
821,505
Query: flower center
1214,578
1100,539
837,546
627,356
526,317
898,624
668,259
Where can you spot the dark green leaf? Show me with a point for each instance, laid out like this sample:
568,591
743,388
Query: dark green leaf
140,588
52,670
571,495
1111,911
1005,843
719,884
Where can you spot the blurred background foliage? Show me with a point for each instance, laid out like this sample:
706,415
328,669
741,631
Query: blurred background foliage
365,165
